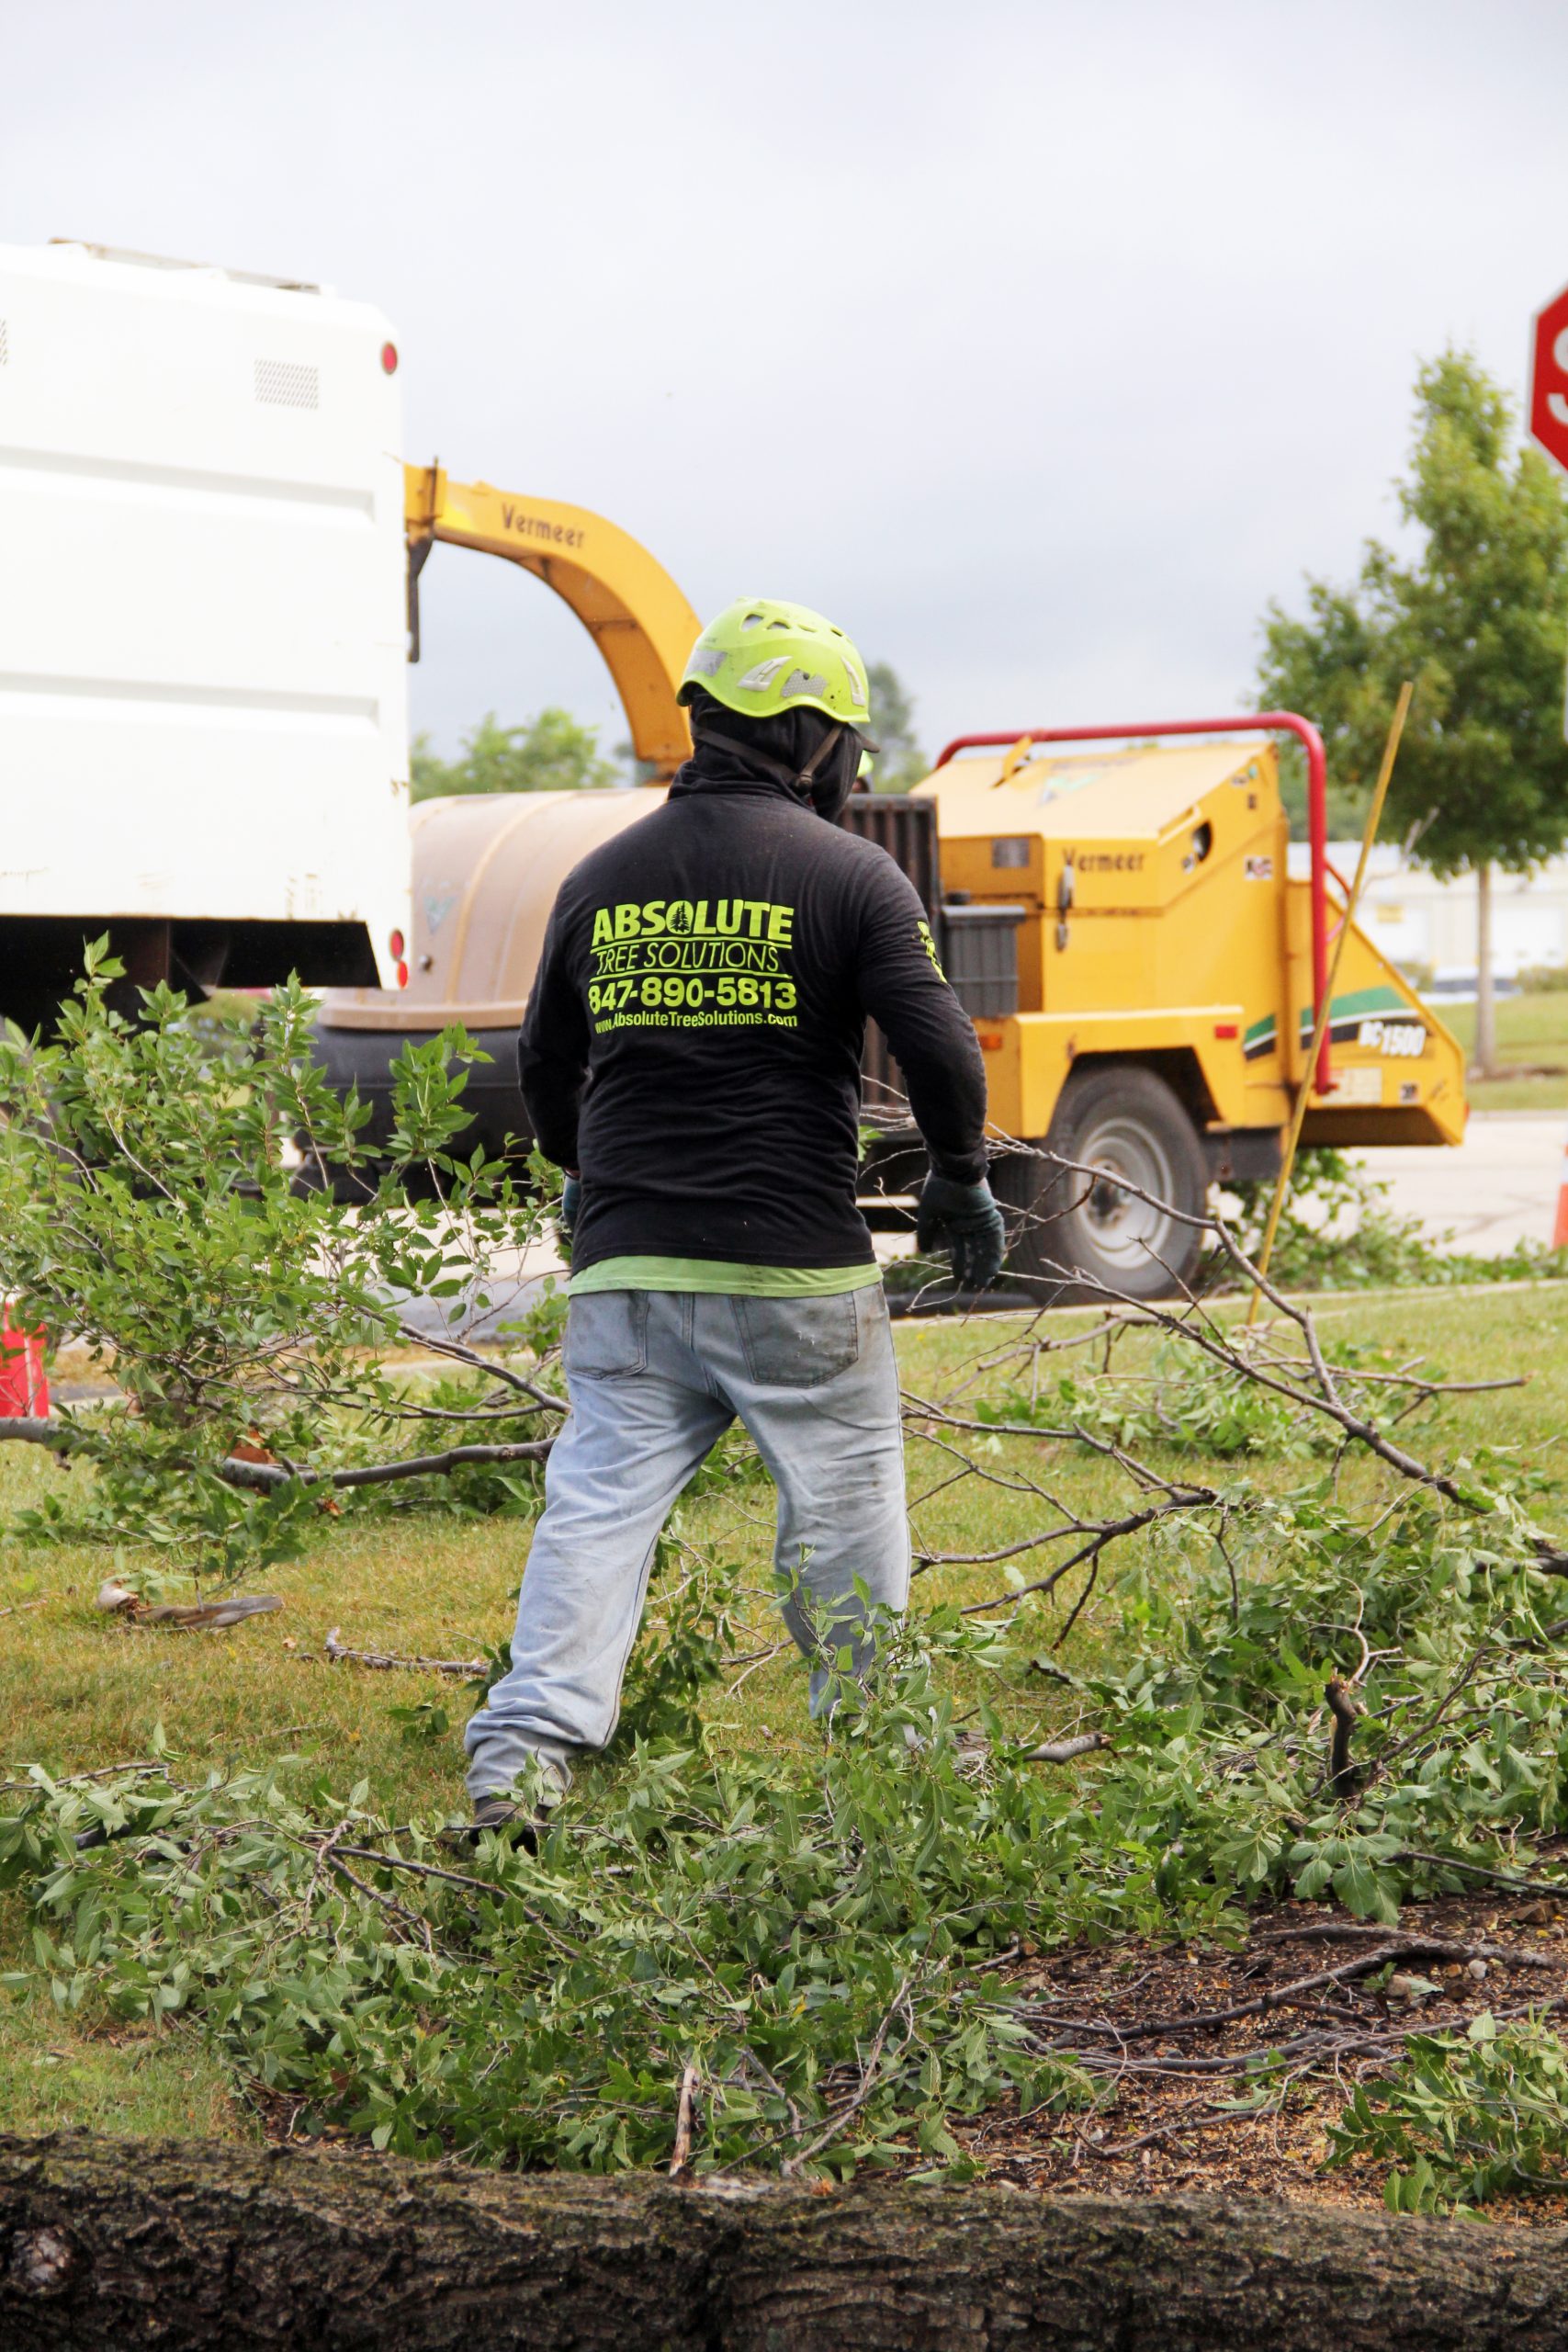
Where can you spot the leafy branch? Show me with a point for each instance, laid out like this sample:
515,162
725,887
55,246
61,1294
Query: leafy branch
192,1204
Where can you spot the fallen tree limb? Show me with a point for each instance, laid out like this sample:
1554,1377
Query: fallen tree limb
1063,1751
268,1474
62,1437
104,1772
29,1429
117,1600
1411,1947
1199,2119
1512,1883
1346,1707
1317,2049
1389,1947
387,1661
193,2246
1205,1334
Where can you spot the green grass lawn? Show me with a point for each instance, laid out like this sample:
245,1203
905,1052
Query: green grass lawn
79,1691
1533,1032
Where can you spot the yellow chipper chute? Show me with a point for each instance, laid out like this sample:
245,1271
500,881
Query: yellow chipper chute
487,865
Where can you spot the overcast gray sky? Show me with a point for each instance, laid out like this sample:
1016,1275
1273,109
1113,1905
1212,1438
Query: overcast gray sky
1037,344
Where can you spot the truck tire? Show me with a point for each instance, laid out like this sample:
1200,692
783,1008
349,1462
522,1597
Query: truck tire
1126,1119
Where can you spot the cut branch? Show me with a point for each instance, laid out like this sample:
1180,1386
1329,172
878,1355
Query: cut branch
266,1478
1201,1332
685,2106
1346,1709
1411,1947
269,1476
1062,1751
388,1662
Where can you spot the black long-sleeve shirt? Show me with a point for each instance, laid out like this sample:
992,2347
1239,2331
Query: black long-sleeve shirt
693,1042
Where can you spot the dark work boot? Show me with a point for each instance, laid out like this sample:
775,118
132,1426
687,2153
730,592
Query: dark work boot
519,1824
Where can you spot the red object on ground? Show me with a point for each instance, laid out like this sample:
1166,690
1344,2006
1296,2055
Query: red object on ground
1262,722
24,1391
1549,378
1560,1230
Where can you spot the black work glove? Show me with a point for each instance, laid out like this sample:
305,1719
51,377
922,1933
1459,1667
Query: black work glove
965,1220
567,1209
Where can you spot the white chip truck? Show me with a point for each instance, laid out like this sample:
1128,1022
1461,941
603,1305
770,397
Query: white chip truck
203,617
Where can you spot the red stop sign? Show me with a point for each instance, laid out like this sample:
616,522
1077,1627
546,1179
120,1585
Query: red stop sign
1549,378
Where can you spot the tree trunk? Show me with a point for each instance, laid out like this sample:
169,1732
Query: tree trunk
107,2243
1485,1009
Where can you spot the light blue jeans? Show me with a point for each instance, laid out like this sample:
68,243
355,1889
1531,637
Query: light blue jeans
655,1378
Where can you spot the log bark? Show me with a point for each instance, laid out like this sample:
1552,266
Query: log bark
105,2243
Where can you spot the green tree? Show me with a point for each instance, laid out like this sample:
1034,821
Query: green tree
553,752
632,769
1478,618
902,762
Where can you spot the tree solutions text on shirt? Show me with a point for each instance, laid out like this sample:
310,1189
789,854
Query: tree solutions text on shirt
693,964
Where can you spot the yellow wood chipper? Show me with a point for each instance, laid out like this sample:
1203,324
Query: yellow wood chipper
1144,974
1113,906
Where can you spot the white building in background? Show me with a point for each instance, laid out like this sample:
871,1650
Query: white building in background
1419,920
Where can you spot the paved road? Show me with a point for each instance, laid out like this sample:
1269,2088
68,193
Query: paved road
516,1283
1499,1187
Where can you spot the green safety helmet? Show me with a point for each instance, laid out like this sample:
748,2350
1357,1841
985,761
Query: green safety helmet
761,658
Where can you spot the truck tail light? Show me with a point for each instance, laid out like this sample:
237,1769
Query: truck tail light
388,359
402,976
395,946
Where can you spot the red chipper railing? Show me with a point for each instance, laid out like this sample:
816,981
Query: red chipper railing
1262,722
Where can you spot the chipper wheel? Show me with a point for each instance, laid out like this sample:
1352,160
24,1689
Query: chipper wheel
1064,1225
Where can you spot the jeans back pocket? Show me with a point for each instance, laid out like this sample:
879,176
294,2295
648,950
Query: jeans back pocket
798,1342
607,1335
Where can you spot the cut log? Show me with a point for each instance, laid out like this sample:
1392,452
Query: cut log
105,2243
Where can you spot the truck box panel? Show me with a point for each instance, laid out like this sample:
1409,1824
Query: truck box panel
203,705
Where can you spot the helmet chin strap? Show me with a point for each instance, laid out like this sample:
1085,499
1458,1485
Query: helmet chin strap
796,779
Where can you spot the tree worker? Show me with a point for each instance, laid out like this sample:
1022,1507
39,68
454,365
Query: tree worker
691,1059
